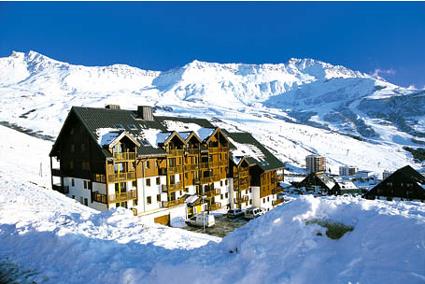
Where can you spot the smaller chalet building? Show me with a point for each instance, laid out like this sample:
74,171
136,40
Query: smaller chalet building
327,185
404,184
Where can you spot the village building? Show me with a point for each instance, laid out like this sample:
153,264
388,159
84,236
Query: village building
158,166
404,184
315,164
323,184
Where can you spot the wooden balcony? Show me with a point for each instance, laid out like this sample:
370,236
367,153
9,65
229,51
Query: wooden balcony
99,197
243,198
175,169
243,186
190,167
123,196
277,202
243,174
174,187
172,203
99,178
217,177
217,149
213,192
60,188
277,190
206,180
124,156
215,206
204,165
192,151
122,177
176,152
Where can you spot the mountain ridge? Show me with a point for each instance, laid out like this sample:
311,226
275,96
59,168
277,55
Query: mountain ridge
331,101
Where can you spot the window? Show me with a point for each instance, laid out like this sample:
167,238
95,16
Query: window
86,202
72,131
85,165
225,181
85,184
172,179
134,183
72,182
158,181
250,201
268,198
83,147
158,197
264,200
221,196
135,202
221,183
149,200
118,167
73,197
148,182
148,164
186,189
71,164
227,195
72,148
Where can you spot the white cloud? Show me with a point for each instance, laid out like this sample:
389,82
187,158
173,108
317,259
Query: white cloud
378,72
412,87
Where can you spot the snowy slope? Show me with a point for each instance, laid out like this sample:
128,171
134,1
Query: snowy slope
295,108
53,239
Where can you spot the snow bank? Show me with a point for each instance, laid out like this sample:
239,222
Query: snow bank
386,246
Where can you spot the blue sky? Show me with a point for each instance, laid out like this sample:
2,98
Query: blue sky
387,38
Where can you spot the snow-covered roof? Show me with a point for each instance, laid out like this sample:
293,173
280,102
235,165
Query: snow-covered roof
151,135
246,150
105,136
204,133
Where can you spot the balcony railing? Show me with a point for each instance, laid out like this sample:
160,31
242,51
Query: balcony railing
175,169
277,202
215,206
243,198
192,151
277,190
206,180
174,187
176,152
123,196
204,165
99,197
122,177
99,178
213,192
124,156
190,167
60,188
172,203
217,149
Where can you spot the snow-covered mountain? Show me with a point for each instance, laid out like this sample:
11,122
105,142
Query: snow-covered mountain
295,108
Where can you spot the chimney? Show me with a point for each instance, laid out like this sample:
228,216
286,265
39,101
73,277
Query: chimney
111,106
144,113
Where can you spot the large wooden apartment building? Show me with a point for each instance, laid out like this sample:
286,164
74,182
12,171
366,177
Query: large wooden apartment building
109,157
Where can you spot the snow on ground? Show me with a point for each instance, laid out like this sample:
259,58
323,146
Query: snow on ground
61,241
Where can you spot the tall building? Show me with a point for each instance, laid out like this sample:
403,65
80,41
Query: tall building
161,167
346,171
315,164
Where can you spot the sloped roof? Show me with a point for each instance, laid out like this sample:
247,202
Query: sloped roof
98,118
255,152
